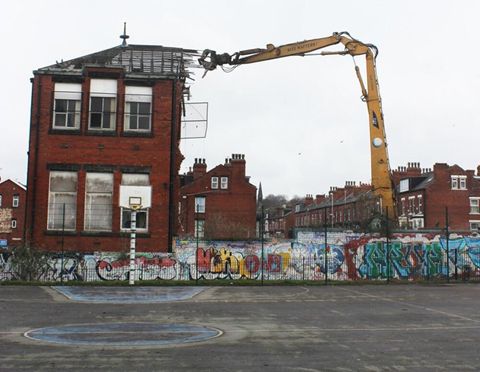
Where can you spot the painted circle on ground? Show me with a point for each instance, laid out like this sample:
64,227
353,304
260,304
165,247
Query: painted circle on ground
124,334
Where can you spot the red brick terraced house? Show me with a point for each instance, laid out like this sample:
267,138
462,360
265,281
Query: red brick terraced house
12,213
218,204
350,207
99,121
425,195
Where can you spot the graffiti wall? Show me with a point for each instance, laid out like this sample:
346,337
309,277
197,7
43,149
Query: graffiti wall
339,256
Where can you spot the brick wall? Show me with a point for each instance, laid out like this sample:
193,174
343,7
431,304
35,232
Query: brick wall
229,213
49,149
9,212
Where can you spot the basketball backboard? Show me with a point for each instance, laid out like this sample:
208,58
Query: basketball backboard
135,197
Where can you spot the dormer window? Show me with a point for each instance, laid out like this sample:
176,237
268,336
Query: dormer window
214,183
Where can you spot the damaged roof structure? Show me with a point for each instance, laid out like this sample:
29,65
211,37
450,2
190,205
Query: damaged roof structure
149,61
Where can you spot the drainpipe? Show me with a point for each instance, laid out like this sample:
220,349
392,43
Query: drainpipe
32,183
173,142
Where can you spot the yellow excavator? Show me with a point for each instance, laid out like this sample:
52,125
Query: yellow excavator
382,184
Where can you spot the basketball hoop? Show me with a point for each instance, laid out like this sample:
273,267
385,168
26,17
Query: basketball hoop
135,202
134,198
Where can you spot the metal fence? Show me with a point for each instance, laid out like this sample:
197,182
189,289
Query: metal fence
343,257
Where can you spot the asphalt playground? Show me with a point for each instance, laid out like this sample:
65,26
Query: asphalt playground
236,328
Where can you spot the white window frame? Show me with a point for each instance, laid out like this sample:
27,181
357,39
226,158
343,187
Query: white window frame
137,96
16,201
71,93
474,205
90,222
55,208
458,182
404,185
103,89
200,204
454,182
214,182
199,228
472,223
420,204
224,183
135,179
0,200
417,223
411,205
14,223
403,204
139,212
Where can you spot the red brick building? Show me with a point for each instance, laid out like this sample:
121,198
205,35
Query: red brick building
350,207
218,204
100,121
423,196
280,222
12,213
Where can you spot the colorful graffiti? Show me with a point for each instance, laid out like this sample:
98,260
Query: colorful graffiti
341,256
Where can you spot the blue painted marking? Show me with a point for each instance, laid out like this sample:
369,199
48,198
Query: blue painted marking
124,334
128,295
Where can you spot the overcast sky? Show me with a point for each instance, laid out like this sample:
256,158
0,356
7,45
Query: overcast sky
299,121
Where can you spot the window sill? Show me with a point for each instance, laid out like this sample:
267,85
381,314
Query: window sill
137,134
60,232
74,131
143,234
101,133
98,233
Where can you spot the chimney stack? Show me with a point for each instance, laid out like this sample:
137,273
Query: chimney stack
309,199
199,168
238,164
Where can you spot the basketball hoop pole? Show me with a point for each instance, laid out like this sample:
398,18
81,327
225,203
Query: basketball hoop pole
133,229
134,198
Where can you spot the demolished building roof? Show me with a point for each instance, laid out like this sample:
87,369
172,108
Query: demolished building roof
154,61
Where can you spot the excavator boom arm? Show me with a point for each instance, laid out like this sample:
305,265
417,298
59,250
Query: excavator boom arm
380,168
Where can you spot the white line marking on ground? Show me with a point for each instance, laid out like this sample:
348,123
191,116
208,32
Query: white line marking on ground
413,305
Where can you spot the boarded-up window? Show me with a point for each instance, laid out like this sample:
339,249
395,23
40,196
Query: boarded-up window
98,202
62,201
